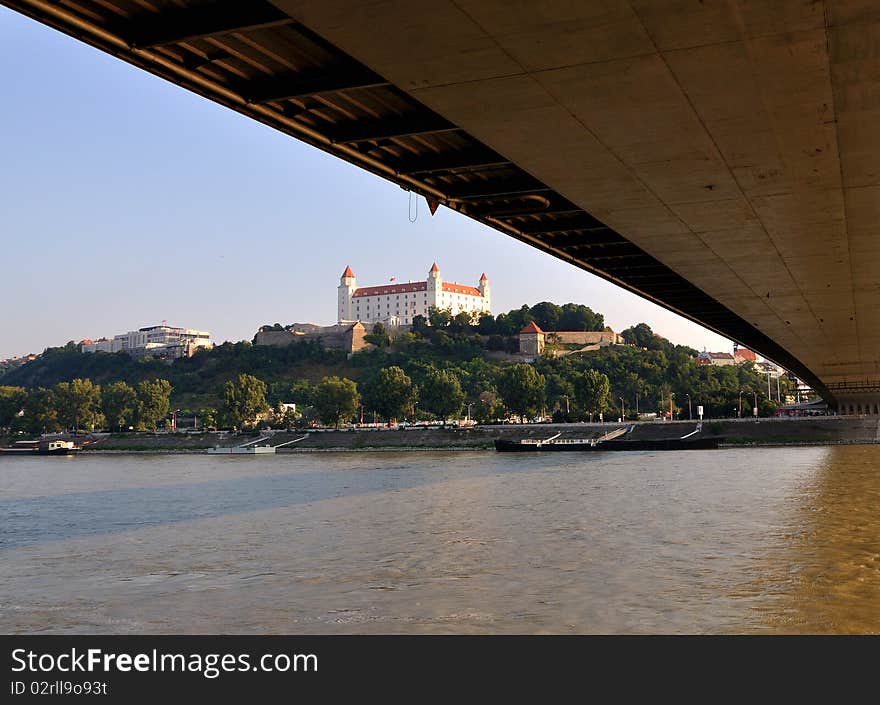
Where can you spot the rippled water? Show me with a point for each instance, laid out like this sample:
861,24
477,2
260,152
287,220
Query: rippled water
740,540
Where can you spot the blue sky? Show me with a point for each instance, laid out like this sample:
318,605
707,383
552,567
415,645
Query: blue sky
125,201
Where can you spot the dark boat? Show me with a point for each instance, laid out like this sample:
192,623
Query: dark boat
607,442
42,447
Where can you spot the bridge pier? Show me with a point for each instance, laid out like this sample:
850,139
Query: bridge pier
861,403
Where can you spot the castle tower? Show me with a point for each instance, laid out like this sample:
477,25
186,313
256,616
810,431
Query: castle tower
347,287
484,290
435,287
531,340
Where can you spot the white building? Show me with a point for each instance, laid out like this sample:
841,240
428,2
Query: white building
100,345
768,368
715,358
398,304
164,341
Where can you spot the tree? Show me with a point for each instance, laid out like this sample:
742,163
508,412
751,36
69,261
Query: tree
489,407
486,324
243,399
593,392
641,336
78,403
419,326
495,342
547,315
284,416
302,393
154,403
513,322
391,393
41,411
552,343
208,418
403,341
11,402
580,317
379,336
119,401
522,389
441,394
439,317
336,400
461,322
560,390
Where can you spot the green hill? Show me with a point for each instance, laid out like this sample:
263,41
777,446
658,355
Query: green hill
649,373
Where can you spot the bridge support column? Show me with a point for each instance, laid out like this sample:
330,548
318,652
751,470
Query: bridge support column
858,403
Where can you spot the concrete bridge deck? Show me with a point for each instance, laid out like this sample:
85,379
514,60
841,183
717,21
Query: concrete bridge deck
719,158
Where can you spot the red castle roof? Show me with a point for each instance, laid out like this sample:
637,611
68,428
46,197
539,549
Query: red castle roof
451,287
461,289
531,327
390,289
414,286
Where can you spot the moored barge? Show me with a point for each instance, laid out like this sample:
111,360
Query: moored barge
590,444
608,441
41,447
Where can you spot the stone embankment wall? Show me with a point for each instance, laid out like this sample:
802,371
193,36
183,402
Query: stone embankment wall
830,430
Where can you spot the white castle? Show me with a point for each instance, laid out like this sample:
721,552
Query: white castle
397,304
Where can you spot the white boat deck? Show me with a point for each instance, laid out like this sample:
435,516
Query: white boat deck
250,448
556,440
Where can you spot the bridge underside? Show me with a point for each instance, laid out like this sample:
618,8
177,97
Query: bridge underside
718,158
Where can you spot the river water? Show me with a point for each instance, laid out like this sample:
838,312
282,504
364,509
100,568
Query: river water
728,541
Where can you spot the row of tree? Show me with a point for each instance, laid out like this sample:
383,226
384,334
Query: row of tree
648,374
81,405
391,394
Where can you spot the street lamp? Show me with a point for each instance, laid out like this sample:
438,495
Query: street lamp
755,410
469,405
622,410
690,415
740,411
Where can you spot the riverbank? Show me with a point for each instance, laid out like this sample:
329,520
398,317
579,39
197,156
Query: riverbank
730,432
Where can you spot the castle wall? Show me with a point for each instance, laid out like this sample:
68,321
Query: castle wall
588,337
340,337
532,344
